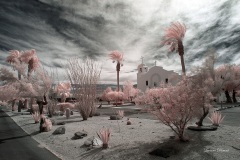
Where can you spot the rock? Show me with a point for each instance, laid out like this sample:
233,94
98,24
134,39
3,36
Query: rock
115,117
129,122
59,130
53,122
61,123
203,128
71,112
97,114
93,141
79,135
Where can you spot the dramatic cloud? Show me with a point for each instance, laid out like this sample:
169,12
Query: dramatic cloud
60,30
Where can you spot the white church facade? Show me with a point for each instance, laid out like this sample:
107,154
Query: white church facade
153,77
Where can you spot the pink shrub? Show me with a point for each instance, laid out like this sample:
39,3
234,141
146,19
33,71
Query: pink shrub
115,96
104,135
47,125
36,117
63,106
216,118
120,113
174,105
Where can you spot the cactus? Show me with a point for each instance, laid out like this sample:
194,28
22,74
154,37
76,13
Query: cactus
68,113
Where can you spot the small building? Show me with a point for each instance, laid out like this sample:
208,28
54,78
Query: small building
153,77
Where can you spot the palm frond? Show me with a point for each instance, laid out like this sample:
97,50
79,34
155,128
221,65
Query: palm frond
116,56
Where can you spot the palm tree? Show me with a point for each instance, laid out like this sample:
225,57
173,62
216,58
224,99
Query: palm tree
16,58
118,57
173,36
28,57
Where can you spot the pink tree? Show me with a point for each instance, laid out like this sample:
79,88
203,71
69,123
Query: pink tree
127,88
115,96
174,105
19,60
104,94
118,57
202,88
133,93
229,75
173,36
34,85
233,84
64,90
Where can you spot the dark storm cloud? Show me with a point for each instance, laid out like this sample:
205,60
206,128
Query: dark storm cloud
220,35
62,29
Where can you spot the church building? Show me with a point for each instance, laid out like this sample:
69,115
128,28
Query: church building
153,77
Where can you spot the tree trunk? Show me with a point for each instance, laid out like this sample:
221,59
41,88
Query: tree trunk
20,105
13,103
19,76
181,53
40,106
234,96
26,103
200,122
31,105
181,137
229,100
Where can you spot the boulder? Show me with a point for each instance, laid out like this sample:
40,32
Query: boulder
115,117
61,123
59,130
79,135
97,114
93,141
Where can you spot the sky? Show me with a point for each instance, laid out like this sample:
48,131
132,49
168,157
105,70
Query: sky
63,29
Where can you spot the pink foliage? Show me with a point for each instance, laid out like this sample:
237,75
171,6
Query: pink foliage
173,34
116,56
63,89
216,118
104,94
33,64
47,125
115,96
174,105
120,113
27,57
104,134
64,106
14,56
36,117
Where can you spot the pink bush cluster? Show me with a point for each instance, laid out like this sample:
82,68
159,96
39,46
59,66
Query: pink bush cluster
174,106
63,89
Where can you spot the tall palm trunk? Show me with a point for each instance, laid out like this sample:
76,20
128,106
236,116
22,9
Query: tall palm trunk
181,53
118,69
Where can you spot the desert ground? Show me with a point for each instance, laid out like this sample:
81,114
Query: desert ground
135,141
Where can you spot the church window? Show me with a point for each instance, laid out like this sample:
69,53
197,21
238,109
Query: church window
166,80
146,83
140,69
